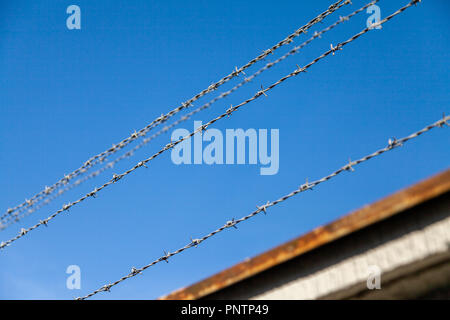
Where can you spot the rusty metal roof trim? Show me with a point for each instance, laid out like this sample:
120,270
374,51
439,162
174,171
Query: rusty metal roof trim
354,221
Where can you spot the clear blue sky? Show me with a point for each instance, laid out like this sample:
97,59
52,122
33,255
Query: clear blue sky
66,95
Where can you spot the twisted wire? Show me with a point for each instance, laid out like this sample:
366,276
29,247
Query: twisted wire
164,117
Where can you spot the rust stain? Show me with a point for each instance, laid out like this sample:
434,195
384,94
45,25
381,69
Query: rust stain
356,220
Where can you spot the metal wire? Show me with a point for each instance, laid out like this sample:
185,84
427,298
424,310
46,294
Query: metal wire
164,117
15,217
229,112
392,144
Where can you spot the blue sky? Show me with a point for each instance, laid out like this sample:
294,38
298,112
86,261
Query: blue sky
66,95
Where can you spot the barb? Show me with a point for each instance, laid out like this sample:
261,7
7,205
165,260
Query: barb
17,216
164,117
263,208
23,212
200,129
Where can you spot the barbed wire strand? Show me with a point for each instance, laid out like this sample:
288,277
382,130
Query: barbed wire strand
200,129
392,144
164,117
17,217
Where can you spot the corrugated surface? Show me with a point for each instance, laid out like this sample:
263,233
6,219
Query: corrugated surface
370,214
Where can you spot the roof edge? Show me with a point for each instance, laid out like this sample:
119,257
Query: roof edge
356,220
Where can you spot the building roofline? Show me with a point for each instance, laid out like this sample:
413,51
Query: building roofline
370,214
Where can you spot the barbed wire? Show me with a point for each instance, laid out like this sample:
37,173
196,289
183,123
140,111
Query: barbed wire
229,112
392,144
164,117
23,212
17,217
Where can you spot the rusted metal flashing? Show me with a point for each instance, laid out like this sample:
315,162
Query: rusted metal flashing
354,221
